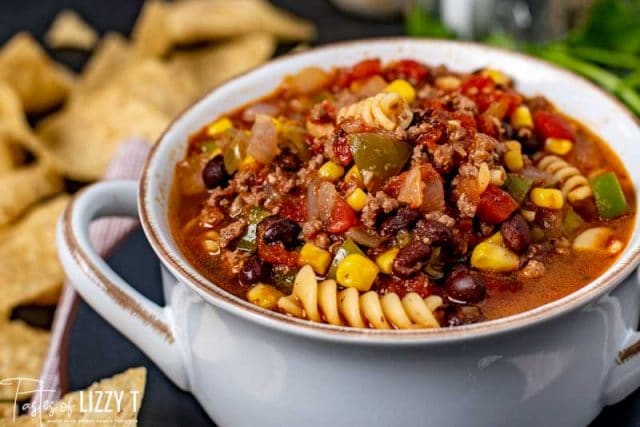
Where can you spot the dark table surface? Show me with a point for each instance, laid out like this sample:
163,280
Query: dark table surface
95,349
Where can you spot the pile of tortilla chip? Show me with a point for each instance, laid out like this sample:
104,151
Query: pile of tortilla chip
58,128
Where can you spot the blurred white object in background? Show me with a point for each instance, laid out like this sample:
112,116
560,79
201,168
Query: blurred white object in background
467,18
372,8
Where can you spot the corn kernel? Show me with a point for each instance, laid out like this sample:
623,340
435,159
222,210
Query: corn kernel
247,163
385,260
219,126
547,198
513,156
354,176
498,77
265,296
495,239
357,199
356,271
558,146
402,88
521,118
314,256
277,123
490,257
448,83
331,171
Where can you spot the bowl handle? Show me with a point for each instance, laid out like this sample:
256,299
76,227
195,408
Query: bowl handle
624,376
145,323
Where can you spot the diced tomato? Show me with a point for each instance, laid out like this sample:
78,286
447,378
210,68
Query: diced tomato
362,70
467,121
294,208
393,185
495,205
502,101
430,137
275,253
393,284
342,217
342,150
476,84
552,125
407,69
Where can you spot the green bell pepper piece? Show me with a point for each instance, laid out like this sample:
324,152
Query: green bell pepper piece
518,186
609,196
233,154
348,248
248,242
380,155
571,222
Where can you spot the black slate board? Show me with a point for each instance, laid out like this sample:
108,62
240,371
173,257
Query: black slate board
95,349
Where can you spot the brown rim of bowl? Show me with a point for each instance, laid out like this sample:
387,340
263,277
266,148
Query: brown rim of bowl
227,301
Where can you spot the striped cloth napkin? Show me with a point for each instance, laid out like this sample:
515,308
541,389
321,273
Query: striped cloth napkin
106,234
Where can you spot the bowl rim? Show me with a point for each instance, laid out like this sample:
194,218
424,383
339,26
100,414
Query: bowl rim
212,294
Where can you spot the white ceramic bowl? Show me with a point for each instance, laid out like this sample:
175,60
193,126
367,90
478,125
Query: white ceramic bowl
555,365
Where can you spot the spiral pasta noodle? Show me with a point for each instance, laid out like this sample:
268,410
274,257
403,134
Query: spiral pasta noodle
322,302
575,187
385,110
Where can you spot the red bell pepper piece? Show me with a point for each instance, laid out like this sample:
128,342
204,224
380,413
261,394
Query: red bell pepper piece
495,205
342,217
362,70
407,69
552,125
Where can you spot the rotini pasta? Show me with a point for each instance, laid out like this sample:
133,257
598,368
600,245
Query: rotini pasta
322,302
575,187
385,110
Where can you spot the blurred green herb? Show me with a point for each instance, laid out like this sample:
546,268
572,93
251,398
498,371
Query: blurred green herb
420,23
604,48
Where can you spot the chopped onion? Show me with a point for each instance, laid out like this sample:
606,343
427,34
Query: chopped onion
371,87
539,177
307,81
327,196
251,112
433,195
411,191
364,237
263,144
313,205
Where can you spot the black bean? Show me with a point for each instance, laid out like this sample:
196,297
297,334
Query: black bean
411,259
464,285
288,161
530,142
437,233
403,219
464,315
516,233
214,174
253,271
282,230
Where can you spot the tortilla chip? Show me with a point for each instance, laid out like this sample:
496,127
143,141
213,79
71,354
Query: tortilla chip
29,266
84,137
39,82
238,55
125,389
7,162
70,31
164,25
21,355
7,409
149,34
155,83
26,186
111,56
